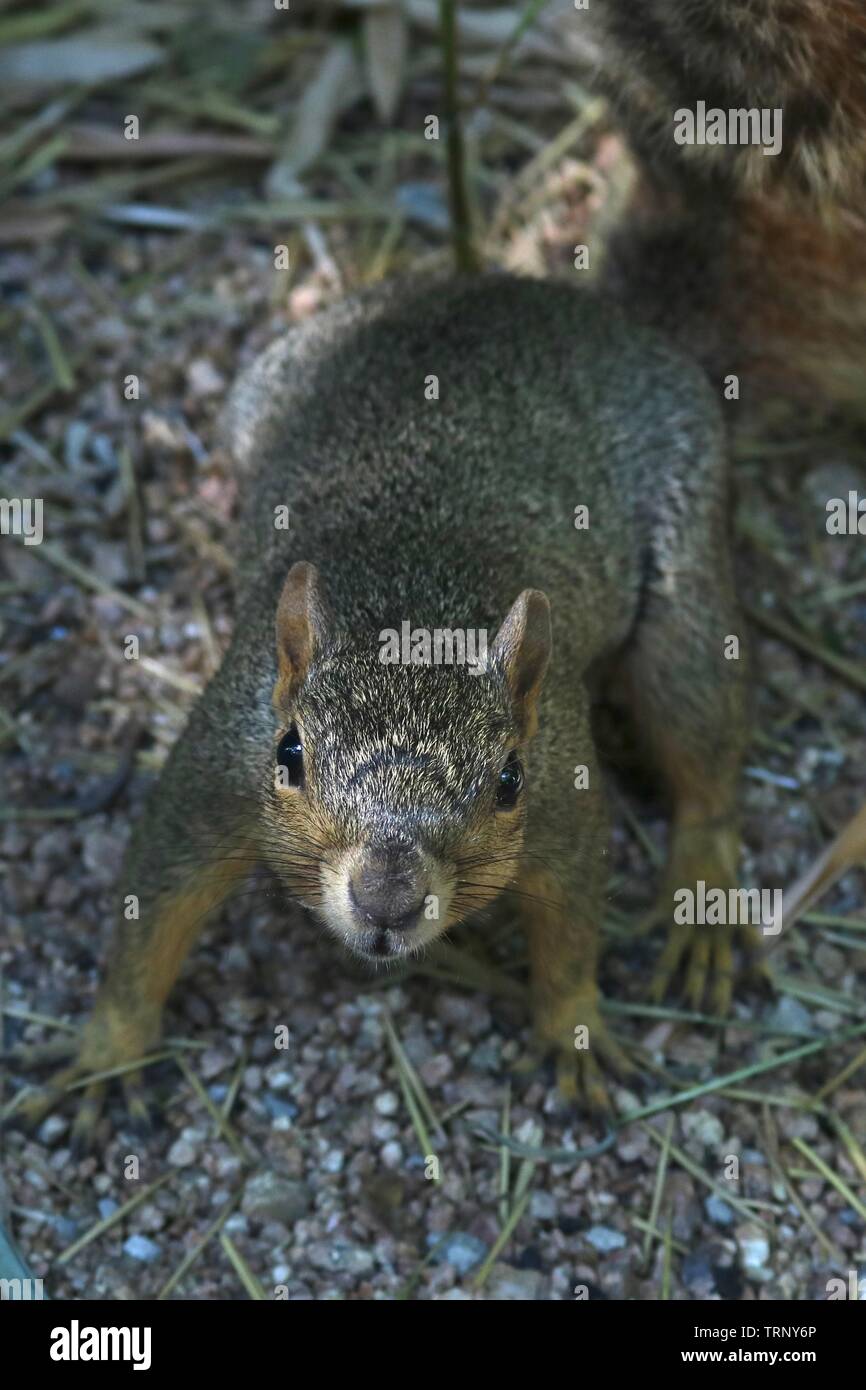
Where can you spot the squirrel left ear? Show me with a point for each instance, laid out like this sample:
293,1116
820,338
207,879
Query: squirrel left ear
302,623
521,650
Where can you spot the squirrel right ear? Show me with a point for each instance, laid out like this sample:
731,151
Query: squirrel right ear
301,626
521,650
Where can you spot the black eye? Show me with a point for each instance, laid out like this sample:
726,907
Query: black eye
290,755
510,781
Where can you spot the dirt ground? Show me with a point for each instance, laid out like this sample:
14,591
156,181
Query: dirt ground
309,1176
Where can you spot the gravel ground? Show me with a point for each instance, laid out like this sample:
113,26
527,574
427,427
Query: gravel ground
319,1178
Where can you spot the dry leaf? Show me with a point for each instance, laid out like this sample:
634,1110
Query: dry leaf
847,851
336,85
93,56
385,43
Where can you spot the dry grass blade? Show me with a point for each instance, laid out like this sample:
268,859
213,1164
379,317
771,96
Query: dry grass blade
826,1171
853,1147
501,1241
666,1263
505,1158
188,684
658,1188
683,1159
242,1269
123,1070
527,17
97,143
414,1093
721,1083
653,1233
55,556
222,1124
235,1083
814,992
785,1180
28,1016
189,1259
850,671
108,1222
847,851
836,1081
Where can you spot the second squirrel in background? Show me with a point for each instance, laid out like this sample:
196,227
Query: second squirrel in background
756,263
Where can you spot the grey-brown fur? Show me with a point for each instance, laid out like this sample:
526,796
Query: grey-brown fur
441,512
805,57
754,263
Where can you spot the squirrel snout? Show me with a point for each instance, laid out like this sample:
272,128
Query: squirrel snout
390,886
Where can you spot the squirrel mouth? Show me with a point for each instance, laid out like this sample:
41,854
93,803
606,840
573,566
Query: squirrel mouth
381,943
382,921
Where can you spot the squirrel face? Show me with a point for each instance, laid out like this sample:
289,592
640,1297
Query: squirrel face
398,804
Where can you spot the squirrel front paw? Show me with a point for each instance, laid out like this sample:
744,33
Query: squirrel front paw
707,918
572,1030
112,1042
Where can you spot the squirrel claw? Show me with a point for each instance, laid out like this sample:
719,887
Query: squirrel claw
706,954
32,1055
583,1083
86,1119
136,1103
96,1051
528,1061
579,1078
581,1070
29,1112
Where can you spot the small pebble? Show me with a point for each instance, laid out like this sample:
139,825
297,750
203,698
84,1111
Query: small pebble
604,1238
507,1283
460,1250
718,1211
754,1251
270,1197
181,1154
386,1103
140,1248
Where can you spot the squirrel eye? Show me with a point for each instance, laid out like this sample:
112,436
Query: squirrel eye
290,755
510,781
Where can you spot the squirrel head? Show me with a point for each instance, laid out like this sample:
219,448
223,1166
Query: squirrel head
397,806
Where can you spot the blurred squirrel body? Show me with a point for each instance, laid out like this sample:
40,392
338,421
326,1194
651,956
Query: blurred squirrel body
755,262
417,786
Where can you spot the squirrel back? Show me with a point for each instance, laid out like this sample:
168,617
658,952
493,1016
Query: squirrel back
431,439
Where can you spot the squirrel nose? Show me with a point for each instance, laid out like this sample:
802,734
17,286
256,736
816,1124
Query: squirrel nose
390,886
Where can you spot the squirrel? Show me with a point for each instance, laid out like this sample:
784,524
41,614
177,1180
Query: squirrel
506,454
753,259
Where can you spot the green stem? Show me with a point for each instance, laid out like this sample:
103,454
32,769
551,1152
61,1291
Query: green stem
465,257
